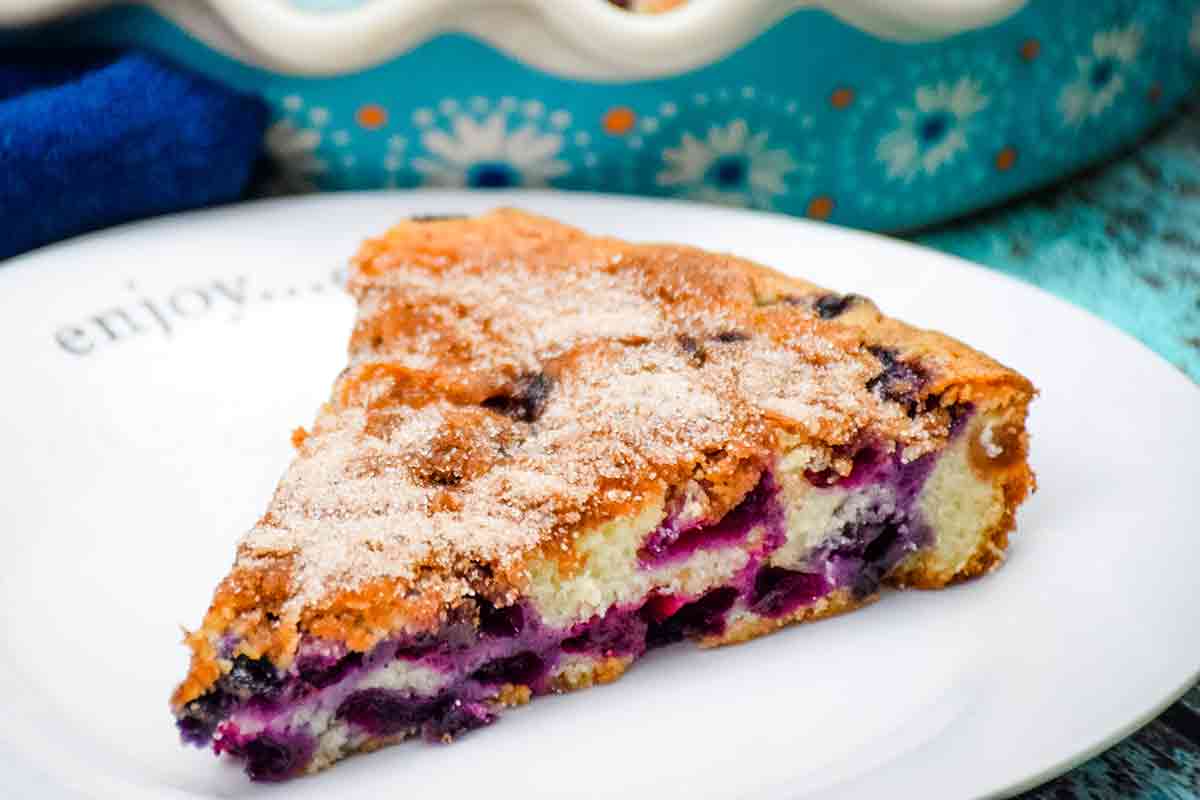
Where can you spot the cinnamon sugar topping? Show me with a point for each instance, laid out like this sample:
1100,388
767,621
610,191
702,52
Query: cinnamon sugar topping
512,380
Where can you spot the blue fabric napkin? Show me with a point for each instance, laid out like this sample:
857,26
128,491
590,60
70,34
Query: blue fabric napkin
89,139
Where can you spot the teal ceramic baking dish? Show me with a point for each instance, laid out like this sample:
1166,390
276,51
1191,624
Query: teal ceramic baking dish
883,114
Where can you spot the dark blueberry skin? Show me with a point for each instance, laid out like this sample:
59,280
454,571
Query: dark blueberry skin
268,759
706,616
959,414
830,306
253,675
873,549
878,558
692,349
436,217
702,617
503,622
526,400
420,647
249,679
385,712
778,591
864,458
319,673
615,633
521,669
579,643
898,381
453,717
667,543
695,350
201,716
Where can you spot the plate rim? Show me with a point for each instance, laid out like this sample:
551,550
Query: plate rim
20,262
17,269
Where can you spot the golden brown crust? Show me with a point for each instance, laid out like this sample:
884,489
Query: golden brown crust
246,605
513,380
599,672
751,627
511,695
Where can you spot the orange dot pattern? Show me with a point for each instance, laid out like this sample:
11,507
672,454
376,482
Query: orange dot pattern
1006,159
371,116
820,207
842,97
619,120
1031,49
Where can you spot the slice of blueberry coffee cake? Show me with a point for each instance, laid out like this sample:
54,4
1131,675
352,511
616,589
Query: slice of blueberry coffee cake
551,452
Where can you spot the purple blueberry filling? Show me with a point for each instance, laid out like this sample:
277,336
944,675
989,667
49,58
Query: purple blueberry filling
253,676
899,381
702,617
201,717
865,462
871,551
676,540
456,716
386,712
319,672
779,591
512,645
268,757
883,533
522,669
505,622
616,633
273,759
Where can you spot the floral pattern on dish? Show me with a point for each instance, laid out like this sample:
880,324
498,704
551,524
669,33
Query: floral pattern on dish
933,131
925,138
1101,74
728,145
730,165
293,153
484,147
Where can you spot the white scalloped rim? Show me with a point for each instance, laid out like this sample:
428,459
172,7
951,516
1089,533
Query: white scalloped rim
577,38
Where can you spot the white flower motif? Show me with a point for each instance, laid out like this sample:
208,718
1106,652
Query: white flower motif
933,131
1101,74
1194,34
293,152
729,165
487,154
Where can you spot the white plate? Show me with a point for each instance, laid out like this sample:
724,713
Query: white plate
130,466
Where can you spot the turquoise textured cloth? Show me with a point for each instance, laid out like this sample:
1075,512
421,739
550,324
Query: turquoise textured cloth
1122,241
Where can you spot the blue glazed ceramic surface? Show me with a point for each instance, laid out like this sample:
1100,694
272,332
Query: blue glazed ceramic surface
813,117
